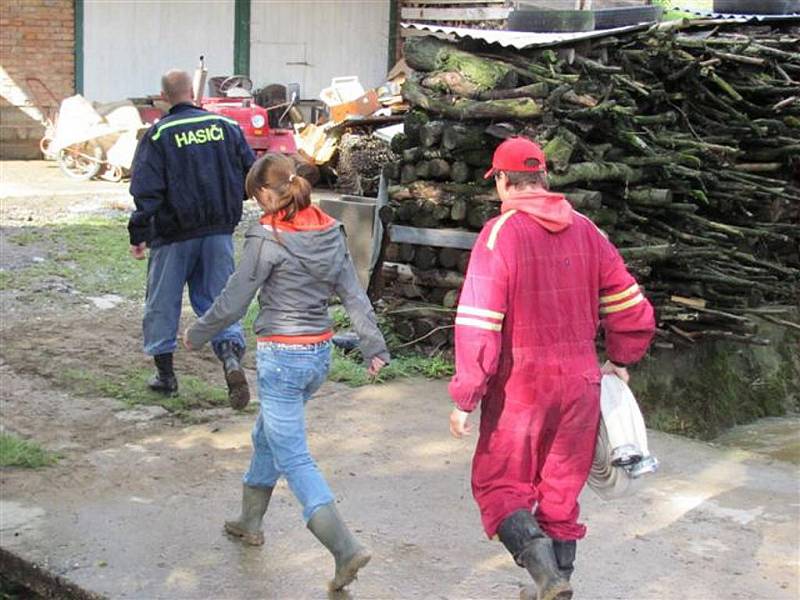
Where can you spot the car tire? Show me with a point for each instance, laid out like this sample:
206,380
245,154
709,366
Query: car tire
757,7
550,21
608,18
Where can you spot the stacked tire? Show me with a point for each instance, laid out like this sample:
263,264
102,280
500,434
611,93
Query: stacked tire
757,7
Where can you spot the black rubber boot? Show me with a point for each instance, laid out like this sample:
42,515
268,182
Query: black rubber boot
164,380
565,556
238,392
533,550
254,505
327,526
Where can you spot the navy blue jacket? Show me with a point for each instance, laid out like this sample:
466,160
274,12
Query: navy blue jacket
187,179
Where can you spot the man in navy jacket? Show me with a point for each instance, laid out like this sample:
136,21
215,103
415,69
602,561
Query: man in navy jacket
188,186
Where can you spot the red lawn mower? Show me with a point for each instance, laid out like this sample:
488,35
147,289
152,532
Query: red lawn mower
234,99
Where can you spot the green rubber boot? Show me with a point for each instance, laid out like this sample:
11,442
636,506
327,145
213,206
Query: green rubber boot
565,556
533,550
248,526
327,526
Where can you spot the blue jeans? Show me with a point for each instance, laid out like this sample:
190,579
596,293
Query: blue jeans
287,377
205,264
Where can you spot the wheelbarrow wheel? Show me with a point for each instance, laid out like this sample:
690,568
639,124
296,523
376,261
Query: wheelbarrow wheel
78,165
113,173
44,146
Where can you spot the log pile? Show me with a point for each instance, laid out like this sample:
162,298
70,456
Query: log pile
683,144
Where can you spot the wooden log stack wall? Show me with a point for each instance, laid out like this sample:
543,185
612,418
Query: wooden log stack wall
681,142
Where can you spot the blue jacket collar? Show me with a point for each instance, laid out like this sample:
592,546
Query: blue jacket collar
183,106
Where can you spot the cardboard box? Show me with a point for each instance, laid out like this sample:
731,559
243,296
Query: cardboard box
361,107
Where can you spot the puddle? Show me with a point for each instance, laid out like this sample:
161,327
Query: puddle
776,437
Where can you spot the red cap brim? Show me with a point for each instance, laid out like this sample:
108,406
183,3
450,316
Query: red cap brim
490,173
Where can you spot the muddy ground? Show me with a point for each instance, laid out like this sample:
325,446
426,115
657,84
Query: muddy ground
134,506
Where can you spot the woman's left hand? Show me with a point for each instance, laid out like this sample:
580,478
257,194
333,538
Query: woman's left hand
186,343
375,366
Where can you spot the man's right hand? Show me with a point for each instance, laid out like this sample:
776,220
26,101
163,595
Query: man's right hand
139,251
458,423
611,369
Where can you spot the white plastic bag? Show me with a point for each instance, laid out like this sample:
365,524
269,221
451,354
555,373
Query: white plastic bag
621,454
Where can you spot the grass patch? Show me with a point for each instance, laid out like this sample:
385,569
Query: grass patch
91,254
16,452
349,369
131,388
25,237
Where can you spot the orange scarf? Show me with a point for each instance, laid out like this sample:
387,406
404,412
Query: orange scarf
311,218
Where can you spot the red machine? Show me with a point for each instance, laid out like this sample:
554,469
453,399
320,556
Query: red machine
236,102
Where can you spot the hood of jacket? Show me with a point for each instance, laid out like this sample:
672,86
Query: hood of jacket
312,237
551,210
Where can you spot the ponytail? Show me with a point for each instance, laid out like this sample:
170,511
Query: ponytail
277,173
298,194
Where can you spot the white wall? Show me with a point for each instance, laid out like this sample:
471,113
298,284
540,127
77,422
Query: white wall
310,42
128,44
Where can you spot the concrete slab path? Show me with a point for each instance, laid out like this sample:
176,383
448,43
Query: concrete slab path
143,518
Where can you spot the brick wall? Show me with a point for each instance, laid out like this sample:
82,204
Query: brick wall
37,39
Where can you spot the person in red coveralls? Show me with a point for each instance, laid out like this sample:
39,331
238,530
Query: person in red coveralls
541,278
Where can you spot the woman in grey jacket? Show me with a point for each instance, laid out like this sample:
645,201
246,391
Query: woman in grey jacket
295,258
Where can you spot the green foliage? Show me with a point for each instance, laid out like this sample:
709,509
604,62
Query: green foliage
341,320
716,387
16,452
350,370
345,369
671,13
11,590
250,316
433,367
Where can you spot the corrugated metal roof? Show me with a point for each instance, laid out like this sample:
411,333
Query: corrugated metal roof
738,18
521,39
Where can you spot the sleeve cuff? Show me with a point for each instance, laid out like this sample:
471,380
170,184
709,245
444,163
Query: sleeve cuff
464,400
384,356
196,337
138,236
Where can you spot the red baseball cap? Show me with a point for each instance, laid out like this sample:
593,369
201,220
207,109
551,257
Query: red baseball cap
517,154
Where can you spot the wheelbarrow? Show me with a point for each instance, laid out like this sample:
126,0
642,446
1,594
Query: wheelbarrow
96,141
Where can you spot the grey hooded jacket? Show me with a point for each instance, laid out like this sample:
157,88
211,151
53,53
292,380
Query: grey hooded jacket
295,274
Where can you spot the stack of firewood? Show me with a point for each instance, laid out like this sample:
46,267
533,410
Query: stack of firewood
359,162
682,143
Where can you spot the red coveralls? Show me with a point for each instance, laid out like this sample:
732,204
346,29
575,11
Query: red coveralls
525,348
